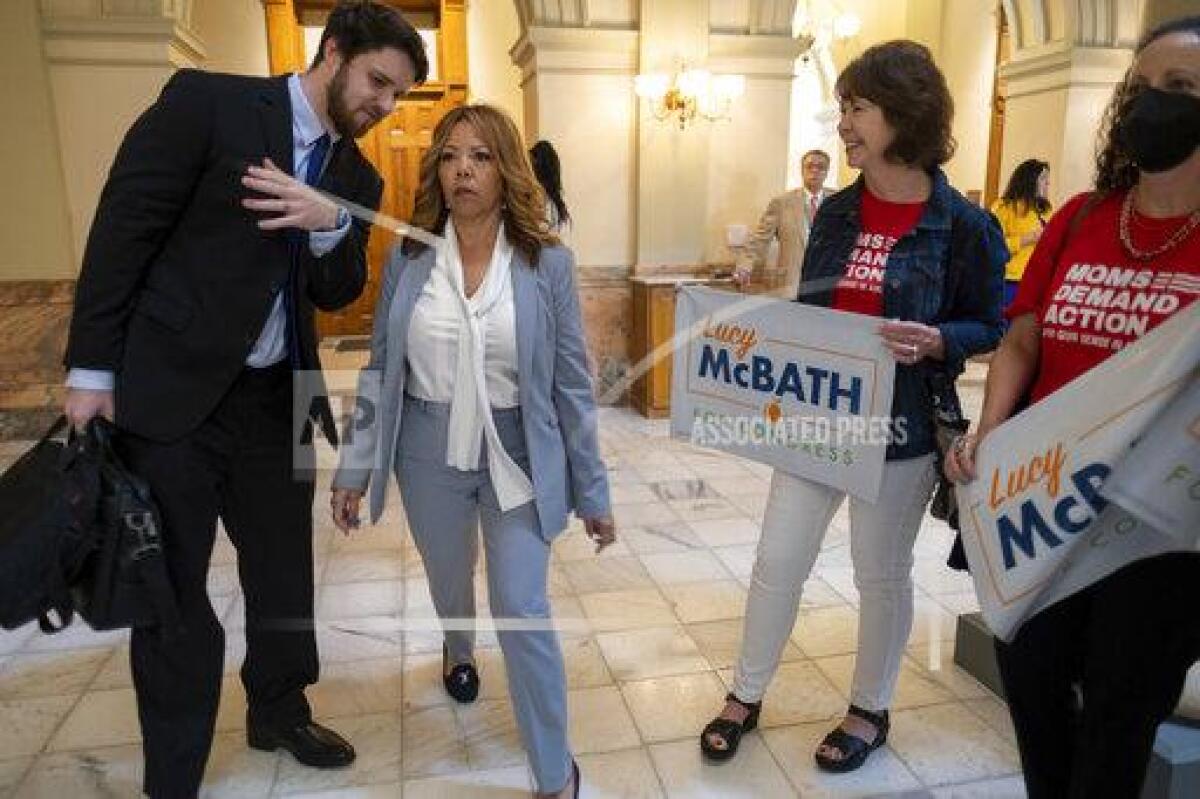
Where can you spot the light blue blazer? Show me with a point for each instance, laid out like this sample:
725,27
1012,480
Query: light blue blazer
558,407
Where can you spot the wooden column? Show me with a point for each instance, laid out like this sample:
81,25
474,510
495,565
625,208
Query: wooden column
991,185
453,49
285,38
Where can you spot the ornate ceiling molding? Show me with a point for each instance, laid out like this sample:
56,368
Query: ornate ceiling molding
601,14
1085,23
120,32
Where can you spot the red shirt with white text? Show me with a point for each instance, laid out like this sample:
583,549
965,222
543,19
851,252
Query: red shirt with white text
1095,298
883,223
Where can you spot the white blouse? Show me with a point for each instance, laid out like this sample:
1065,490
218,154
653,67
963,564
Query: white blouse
463,351
437,317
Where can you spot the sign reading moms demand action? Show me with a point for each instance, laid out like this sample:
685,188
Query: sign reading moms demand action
1095,476
800,388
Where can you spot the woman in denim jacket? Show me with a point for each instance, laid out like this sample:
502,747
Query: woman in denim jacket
902,245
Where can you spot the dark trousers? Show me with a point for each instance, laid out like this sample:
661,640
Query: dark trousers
237,466
1090,679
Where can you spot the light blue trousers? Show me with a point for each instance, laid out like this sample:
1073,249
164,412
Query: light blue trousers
445,508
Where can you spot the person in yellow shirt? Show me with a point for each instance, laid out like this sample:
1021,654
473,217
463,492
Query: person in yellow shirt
1022,211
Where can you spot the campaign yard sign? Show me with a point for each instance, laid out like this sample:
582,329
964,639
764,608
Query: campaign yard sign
801,388
1042,521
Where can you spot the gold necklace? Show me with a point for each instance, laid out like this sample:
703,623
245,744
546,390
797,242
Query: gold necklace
1174,239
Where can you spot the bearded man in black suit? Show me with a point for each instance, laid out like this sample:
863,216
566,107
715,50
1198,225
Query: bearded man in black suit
193,319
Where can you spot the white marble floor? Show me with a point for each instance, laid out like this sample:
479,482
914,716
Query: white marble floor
650,630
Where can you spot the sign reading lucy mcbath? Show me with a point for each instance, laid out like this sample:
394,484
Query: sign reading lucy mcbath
1099,474
804,389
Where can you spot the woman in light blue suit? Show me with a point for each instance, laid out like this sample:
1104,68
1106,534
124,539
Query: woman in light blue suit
483,407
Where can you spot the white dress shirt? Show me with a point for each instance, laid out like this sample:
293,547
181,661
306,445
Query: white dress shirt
271,346
463,351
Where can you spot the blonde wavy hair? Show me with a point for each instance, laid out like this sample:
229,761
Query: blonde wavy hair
522,201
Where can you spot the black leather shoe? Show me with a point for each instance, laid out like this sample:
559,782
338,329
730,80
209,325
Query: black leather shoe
462,683
309,742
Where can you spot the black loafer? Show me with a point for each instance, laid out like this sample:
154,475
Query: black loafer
462,683
310,743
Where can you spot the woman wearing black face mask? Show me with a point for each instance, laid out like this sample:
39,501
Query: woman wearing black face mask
1089,679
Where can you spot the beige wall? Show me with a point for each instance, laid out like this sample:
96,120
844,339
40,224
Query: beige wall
226,36
578,95
89,138
1058,126
967,57
106,64
880,23
234,34
596,144
672,166
742,179
739,187
1024,139
492,28
35,225
925,22
1159,11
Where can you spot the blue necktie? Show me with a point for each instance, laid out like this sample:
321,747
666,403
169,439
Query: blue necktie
316,160
312,173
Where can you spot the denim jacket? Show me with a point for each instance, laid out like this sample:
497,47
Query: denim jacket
948,272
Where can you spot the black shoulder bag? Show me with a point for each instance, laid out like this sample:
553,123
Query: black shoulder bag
48,501
124,582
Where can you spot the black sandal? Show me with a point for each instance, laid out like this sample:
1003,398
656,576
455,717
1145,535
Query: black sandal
729,731
462,683
854,749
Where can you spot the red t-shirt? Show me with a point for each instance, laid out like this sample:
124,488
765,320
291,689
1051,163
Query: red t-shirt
1097,298
861,289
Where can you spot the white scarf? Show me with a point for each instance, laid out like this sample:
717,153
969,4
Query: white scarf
470,410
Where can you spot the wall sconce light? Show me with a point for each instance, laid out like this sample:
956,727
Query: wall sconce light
688,94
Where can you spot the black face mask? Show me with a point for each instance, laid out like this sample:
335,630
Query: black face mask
1160,130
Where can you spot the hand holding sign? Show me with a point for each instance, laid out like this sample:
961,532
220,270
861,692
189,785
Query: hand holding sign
911,342
960,458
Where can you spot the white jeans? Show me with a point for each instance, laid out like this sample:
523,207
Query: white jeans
881,545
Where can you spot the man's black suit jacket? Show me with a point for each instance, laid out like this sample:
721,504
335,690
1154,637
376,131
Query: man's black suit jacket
177,279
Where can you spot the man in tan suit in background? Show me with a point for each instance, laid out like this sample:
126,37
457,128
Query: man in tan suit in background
788,218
